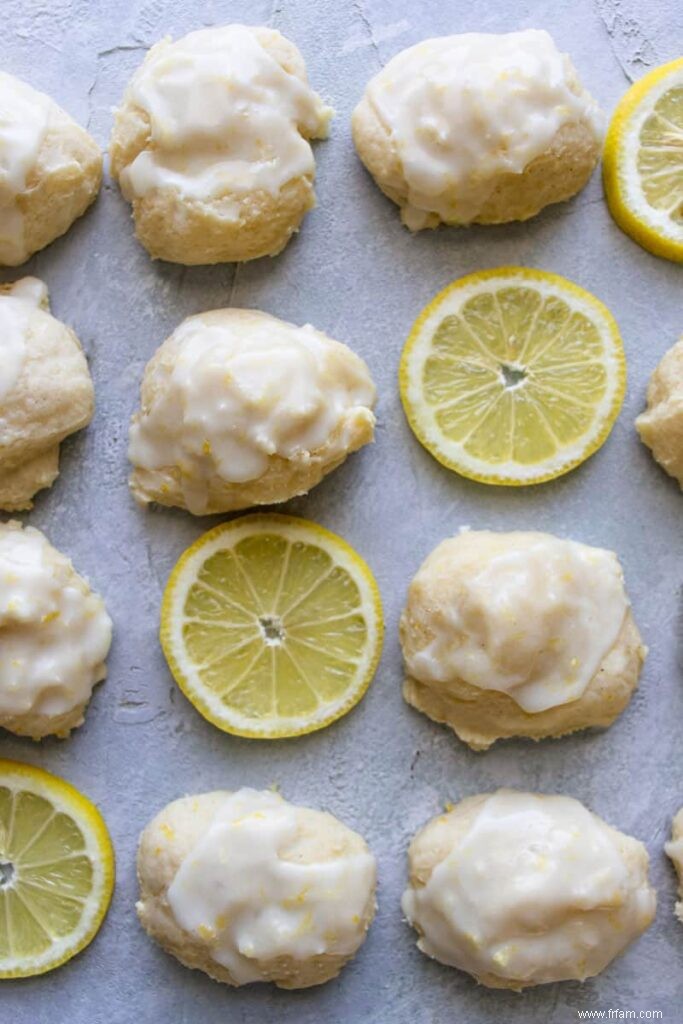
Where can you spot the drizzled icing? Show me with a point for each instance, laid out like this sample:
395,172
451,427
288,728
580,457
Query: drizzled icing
533,616
24,117
236,891
462,110
15,311
54,632
537,889
225,117
244,387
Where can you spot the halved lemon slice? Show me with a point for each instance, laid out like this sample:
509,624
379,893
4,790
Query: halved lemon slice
271,626
56,870
643,162
513,376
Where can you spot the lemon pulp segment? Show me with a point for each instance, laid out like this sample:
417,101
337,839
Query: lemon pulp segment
513,376
56,870
272,626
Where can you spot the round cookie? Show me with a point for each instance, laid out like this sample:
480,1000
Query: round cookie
674,850
519,634
478,128
240,409
210,145
45,392
520,889
54,636
661,425
50,171
247,887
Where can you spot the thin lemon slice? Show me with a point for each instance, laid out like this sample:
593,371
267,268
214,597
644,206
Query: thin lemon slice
513,376
643,162
56,870
271,626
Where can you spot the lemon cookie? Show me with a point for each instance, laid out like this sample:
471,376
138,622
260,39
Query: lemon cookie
520,889
211,145
519,634
661,425
674,850
239,408
50,170
247,887
54,636
478,128
45,392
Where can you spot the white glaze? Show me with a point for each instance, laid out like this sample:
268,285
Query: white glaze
31,290
225,116
24,117
14,317
462,110
236,892
54,632
537,889
15,311
241,392
534,622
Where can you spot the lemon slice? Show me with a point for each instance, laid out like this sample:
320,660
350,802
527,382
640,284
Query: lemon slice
56,870
513,376
271,626
643,162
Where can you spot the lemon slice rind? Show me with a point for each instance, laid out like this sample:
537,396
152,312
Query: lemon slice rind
651,228
418,347
183,669
65,798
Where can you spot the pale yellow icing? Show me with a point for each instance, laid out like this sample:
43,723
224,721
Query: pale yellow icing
54,632
225,117
462,110
24,117
538,889
534,620
240,393
235,890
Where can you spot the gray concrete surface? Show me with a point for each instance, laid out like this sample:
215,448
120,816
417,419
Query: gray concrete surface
356,273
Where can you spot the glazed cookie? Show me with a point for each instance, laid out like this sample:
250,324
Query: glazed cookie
674,850
520,889
519,634
661,425
50,171
239,409
478,129
247,887
45,392
54,636
211,145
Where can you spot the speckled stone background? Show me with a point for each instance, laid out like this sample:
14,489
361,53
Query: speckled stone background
357,274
